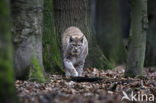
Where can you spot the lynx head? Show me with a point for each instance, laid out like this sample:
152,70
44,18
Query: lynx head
76,45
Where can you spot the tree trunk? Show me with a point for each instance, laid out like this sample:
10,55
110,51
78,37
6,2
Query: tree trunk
7,88
51,53
76,13
151,37
108,30
27,38
125,20
137,40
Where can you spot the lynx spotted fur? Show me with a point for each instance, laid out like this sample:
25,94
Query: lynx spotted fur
75,50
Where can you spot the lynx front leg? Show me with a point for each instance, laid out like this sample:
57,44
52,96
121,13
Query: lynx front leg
79,69
69,68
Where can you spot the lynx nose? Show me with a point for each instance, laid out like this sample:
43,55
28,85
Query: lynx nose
75,50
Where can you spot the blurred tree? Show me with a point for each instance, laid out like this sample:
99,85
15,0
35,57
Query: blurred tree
76,13
51,52
151,36
125,21
7,88
137,40
27,38
109,30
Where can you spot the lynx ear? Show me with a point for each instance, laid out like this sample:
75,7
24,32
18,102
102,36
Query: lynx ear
71,39
81,39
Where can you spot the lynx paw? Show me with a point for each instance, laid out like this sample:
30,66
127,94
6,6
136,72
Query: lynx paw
68,74
74,73
71,72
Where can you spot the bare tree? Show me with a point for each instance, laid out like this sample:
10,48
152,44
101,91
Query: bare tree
27,38
51,51
7,88
76,13
137,40
109,30
151,37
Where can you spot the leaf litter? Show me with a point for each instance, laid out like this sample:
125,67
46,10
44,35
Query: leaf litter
108,90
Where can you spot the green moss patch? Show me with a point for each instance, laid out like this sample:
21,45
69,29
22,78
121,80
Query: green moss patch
36,72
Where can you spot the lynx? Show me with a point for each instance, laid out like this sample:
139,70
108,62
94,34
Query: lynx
75,50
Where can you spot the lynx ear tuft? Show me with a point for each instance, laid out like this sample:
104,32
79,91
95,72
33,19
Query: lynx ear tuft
71,39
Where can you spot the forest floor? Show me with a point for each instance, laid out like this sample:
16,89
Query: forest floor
108,90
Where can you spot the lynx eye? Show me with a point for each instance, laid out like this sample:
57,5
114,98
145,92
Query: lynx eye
71,39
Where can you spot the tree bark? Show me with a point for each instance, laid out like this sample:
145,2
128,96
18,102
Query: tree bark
76,13
137,40
7,88
51,53
27,38
151,37
108,30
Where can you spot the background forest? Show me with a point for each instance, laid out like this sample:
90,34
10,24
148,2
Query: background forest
122,49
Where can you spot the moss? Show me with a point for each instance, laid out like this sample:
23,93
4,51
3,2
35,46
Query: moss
6,76
36,72
7,88
51,52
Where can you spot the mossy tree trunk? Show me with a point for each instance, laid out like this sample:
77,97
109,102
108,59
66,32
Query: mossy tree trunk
51,53
108,30
27,38
76,13
7,88
137,40
151,36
